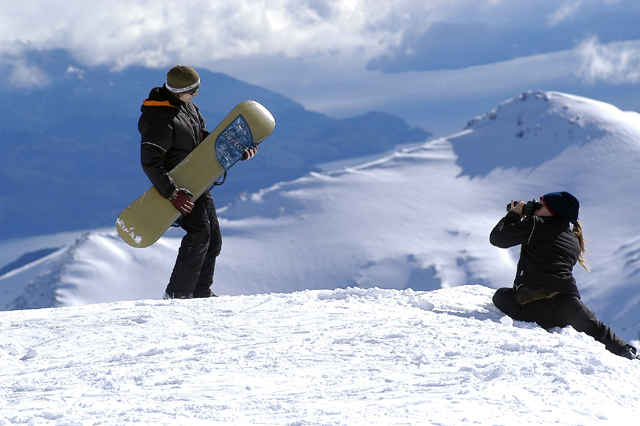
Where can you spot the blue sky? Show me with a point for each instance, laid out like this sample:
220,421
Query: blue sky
416,58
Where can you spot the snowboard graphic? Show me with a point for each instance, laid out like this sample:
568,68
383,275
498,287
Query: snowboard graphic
145,220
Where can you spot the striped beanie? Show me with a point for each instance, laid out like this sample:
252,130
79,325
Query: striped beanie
182,79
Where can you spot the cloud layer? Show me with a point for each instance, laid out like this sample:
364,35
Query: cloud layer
156,33
317,51
615,63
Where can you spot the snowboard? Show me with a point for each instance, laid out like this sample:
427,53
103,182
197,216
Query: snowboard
145,220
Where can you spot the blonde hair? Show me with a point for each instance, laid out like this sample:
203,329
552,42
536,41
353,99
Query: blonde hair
577,231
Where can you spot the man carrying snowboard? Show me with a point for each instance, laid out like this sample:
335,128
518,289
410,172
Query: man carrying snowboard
171,127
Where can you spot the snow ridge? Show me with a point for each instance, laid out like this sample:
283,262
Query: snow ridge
42,291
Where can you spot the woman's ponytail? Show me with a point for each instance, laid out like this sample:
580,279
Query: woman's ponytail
577,230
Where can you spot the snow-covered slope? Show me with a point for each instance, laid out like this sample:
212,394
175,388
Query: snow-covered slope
418,218
554,141
355,357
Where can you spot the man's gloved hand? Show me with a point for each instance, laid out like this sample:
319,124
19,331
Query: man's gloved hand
181,198
249,152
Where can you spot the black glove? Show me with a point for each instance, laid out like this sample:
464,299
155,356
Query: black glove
249,153
181,199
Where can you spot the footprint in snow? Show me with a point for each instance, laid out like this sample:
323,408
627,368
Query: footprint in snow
31,353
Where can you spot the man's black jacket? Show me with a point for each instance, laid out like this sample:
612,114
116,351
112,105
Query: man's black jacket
170,130
549,250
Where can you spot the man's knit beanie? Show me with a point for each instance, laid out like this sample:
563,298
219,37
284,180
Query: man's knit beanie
562,204
182,79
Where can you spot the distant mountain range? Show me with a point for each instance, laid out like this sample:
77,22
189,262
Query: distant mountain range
70,145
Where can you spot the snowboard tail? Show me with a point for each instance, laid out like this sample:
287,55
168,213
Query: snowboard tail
145,220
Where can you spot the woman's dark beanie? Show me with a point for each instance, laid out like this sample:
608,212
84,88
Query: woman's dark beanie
182,79
562,204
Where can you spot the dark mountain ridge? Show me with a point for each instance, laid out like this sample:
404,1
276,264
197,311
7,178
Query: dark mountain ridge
71,147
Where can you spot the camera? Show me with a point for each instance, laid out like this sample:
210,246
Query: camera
530,207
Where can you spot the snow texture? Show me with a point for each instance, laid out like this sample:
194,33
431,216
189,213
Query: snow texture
345,357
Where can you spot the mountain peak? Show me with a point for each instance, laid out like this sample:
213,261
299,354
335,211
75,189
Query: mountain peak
532,128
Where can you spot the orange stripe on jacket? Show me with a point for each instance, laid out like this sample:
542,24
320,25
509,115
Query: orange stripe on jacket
147,102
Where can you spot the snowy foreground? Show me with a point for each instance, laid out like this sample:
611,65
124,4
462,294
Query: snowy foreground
321,357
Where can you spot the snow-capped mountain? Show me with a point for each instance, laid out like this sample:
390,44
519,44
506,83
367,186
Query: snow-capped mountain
416,218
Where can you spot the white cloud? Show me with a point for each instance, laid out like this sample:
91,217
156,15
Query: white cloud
337,37
614,63
570,8
159,32
565,11
24,75
156,32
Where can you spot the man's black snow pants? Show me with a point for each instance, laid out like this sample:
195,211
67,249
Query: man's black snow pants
193,271
559,311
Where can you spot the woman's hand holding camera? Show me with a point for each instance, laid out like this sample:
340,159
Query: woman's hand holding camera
517,207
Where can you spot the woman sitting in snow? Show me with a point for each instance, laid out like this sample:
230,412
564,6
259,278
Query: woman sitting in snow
544,290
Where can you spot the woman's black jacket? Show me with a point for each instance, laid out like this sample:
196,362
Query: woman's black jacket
170,130
549,250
